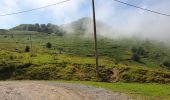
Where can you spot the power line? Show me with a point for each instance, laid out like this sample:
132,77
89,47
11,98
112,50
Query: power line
15,13
156,12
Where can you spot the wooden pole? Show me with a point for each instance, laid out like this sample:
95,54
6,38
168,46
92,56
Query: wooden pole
95,40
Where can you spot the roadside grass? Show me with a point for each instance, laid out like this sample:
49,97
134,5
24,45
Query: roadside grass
144,91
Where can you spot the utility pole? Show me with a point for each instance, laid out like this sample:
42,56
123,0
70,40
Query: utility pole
95,40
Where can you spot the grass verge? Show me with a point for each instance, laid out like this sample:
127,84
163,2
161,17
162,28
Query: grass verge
146,91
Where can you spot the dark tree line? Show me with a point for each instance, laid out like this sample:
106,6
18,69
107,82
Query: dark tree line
49,28
3,31
136,53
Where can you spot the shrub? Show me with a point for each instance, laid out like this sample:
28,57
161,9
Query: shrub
11,57
6,71
136,57
166,63
48,45
27,49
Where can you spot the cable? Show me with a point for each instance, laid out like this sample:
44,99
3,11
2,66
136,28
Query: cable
142,8
15,13
35,8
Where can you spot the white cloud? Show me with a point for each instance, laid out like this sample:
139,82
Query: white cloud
66,12
129,21
61,13
7,6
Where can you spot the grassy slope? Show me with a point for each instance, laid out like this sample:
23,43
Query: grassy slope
73,63
76,64
118,51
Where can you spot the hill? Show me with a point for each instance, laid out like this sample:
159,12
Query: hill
42,28
71,57
3,31
82,26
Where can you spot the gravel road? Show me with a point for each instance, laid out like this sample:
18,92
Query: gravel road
40,90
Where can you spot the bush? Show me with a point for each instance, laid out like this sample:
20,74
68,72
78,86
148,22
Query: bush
140,51
6,71
166,63
27,49
137,52
136,57
48,45
11,57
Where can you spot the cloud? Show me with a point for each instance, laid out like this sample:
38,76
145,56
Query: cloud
57,14
129,21
63,13
7,6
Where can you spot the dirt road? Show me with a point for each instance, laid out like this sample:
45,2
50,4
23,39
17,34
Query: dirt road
31,90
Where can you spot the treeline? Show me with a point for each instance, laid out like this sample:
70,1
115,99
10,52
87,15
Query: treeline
3,31
45,28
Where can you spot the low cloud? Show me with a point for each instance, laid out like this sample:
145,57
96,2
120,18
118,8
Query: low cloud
129,21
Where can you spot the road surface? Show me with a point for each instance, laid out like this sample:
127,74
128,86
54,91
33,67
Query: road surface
41,90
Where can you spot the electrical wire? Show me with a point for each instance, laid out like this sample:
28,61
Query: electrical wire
160,13
15,13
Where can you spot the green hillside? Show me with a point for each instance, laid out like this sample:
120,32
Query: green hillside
41,55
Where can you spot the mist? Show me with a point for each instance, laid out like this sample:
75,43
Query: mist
122,21
128,21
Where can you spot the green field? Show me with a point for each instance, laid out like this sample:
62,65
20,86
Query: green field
71,57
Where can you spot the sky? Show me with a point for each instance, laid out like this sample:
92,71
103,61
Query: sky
125,20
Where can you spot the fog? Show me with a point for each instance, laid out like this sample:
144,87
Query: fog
124,21
129,21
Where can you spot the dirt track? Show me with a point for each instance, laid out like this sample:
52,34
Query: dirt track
28,90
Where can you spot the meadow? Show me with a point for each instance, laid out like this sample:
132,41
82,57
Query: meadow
71,57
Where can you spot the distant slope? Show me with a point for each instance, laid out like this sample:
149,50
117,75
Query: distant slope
126,51
3,31
72,58
81,26
85,26
133,51
43,28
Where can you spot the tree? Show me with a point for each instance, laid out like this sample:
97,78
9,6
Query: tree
140,51
136,57
136,53
44,28
37,27
50,28
30,27
27,49
48,45
166,63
